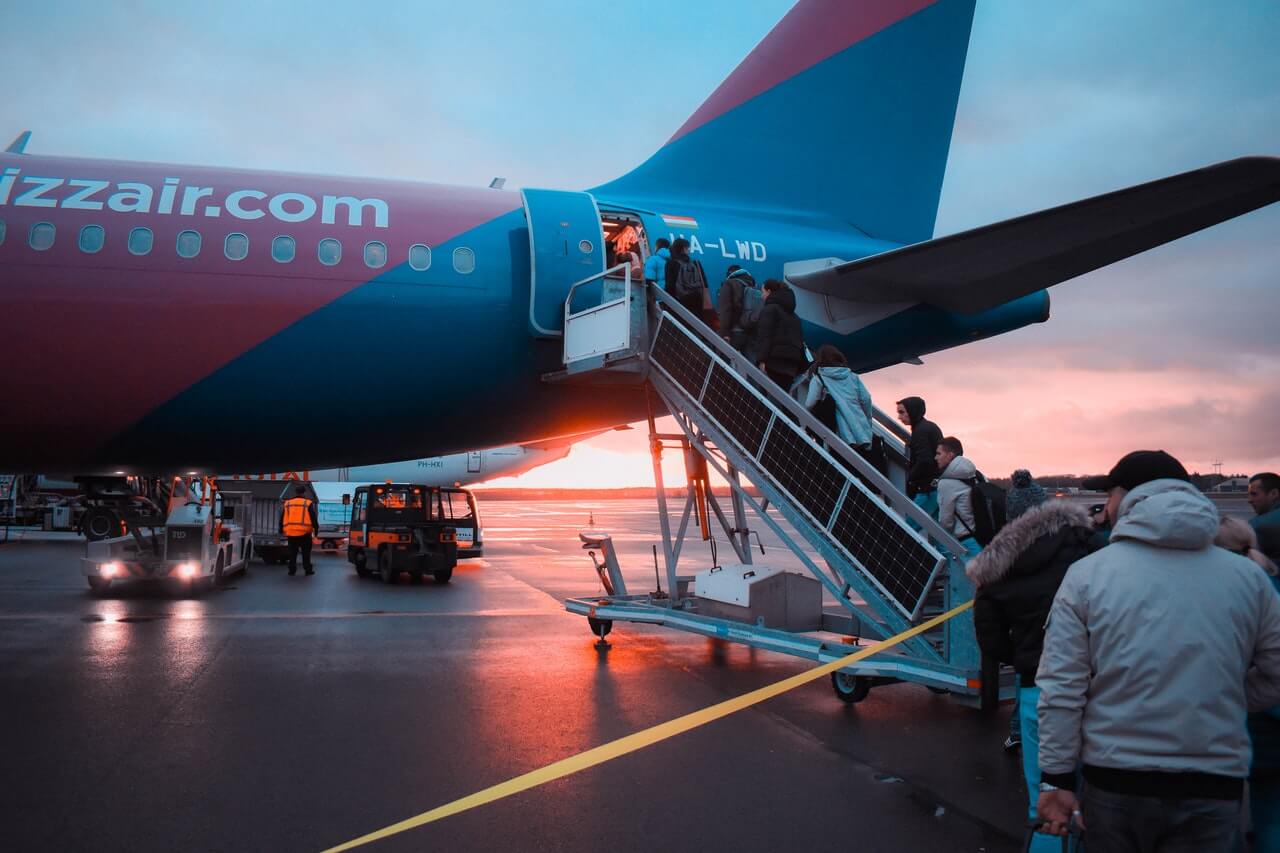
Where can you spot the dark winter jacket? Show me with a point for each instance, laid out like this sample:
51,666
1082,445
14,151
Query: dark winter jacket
779,339
733,305
1017,576
922,467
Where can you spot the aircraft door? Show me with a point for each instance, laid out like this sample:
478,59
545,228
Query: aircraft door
473,462
566,245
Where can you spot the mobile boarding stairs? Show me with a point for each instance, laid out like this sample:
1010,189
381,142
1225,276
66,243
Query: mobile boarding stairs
886,574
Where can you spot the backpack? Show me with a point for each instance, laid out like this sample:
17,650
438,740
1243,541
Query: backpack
825,409
750,304
988,503
689,282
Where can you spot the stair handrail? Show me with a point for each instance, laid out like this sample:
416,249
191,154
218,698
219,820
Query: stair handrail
573,288
570,315
833,444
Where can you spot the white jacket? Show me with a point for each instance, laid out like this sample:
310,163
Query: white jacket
1156,644
955,498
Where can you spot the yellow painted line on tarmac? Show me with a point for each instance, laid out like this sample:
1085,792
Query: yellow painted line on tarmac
641,739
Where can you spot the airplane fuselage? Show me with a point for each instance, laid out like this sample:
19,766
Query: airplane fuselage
162,317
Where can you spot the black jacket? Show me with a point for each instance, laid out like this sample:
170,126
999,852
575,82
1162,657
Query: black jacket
1017,576
779,339
922,466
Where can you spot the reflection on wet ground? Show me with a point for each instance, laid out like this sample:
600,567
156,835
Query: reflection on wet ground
292,713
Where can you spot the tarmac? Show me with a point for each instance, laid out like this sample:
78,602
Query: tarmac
295,713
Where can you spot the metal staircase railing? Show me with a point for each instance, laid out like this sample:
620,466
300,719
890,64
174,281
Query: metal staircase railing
887,563
813,479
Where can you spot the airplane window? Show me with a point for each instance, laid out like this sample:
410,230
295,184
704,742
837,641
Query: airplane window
41,236
188,244
375,254
236,246
140,240
1,232
420,256
282,249
464,260
91,239
329,251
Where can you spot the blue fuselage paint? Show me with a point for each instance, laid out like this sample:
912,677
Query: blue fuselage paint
443,362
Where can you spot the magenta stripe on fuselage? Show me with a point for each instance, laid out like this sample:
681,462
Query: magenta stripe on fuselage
812,31
181,319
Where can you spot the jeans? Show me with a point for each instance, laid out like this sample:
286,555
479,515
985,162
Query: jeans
1028,699
971,547
1015,716
1126,823
927,501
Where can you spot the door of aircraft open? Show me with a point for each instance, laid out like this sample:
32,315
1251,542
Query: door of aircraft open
566,245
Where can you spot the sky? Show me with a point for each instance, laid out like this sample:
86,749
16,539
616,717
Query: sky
1175,348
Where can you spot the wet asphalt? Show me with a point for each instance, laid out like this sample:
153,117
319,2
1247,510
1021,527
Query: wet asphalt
291,713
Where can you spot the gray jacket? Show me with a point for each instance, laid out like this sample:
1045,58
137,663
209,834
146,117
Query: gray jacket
955,502
1156,644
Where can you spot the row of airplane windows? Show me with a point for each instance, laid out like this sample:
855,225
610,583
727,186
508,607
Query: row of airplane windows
236,247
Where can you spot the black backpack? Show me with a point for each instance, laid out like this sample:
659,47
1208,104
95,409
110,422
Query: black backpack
825,409
689,281
988,503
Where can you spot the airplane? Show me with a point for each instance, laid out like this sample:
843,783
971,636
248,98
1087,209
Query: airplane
199,309
456,469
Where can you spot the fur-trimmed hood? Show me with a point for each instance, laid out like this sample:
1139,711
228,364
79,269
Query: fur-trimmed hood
1016,538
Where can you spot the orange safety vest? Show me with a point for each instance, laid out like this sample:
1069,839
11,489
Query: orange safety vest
297,517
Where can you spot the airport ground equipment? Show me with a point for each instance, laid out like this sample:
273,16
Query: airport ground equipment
199,543
402,527
462,510
98,507
262,514
888,565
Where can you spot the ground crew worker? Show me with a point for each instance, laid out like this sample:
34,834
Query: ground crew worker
298,521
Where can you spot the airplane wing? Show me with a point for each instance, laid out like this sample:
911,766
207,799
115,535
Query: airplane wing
976,270
564,441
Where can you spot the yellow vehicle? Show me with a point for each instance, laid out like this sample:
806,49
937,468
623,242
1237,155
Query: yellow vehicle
402,527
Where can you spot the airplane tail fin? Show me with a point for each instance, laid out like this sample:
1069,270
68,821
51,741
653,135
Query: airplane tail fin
844,110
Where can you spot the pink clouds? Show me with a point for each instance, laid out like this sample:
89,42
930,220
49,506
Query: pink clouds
1015,413
1024,407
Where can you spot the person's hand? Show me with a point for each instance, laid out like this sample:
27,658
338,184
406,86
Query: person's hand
1056,810
762,365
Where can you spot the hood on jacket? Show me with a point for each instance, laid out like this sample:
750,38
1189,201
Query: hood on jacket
835,373
959,469
914,407
664,252
1016,538
1167,514
742,275
785,299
